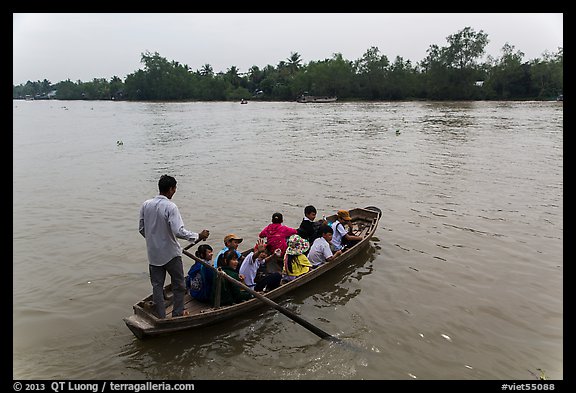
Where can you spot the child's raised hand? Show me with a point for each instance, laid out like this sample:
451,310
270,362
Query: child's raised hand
260,245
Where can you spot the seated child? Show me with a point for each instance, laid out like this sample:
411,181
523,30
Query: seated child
342,238
276,234
295,262
231,241
231,293
254,269
200,278
320,251
310,229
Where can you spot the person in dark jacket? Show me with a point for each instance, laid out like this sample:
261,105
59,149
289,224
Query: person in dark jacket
310,229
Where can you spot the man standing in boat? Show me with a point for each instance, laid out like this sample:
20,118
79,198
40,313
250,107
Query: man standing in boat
160,224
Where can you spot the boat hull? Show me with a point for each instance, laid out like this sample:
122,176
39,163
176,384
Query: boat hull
308,99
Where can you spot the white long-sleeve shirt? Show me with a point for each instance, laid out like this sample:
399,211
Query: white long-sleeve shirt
161,223
249,268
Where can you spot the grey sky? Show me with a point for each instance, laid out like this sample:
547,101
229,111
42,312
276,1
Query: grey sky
87,46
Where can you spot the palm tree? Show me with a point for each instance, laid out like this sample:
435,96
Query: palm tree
294,62
233,76
206,70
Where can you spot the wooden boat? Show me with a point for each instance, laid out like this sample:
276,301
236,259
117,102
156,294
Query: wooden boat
144,323
307,99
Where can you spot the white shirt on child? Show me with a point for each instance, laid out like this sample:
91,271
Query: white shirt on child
249,268
339,233
319,252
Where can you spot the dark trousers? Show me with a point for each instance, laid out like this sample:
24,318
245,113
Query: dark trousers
157,277
270,281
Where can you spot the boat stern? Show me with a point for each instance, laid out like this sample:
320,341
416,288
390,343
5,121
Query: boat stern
138,325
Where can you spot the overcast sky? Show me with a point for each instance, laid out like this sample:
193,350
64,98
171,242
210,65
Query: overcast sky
87,46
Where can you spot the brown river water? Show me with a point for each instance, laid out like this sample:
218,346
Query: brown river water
463,279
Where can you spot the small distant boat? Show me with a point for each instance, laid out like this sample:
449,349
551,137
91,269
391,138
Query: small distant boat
243,101
306,99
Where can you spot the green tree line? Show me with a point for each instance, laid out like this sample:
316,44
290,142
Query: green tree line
451,72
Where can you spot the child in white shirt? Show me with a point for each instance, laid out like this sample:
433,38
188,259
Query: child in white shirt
320,251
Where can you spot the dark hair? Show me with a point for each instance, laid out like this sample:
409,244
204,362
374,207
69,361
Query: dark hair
277,218
289,259
202,250
326,229
165,183
309,209
225,258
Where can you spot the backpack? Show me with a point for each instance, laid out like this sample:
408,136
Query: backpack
344,243
317,231
199,282
334,226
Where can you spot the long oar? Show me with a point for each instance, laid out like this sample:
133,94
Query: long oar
316,330
191,244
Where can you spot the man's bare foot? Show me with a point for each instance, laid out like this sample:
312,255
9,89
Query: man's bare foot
184,314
